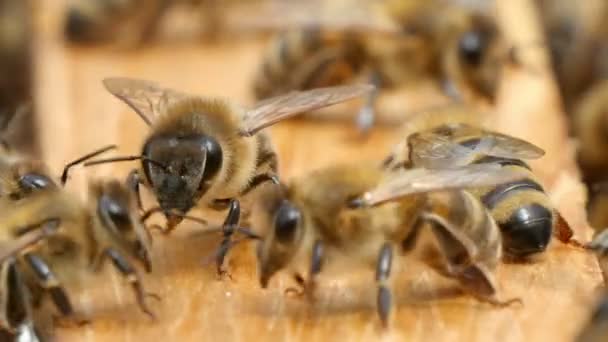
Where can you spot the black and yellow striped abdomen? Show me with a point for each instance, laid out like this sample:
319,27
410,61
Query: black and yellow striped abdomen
521,209
308,58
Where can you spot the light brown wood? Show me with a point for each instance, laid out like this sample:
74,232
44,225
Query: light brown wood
77,115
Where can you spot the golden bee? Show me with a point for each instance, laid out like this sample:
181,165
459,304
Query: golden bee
209,151
361,212
521,208
51,238
460,48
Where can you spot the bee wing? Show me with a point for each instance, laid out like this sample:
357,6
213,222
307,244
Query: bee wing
415,181
435,151
506,146
438,152
275,109
148,99
8,250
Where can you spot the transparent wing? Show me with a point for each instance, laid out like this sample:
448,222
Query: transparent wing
415,181
148,99
436,149
438,152
9,249
275,109
506,146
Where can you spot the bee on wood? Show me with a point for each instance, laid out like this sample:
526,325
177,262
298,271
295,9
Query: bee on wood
51,238
361,212
460,48
209,151
521,208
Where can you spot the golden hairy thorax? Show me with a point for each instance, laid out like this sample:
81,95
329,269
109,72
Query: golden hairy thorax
325,193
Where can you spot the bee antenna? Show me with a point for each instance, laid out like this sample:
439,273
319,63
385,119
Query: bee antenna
68,166
126,158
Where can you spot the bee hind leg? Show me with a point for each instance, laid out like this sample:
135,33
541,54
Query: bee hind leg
383,272
126,269
49,282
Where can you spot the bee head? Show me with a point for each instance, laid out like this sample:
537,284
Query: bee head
281,242
186,167
116,210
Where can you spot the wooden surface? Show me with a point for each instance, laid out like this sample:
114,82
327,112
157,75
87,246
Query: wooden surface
77,115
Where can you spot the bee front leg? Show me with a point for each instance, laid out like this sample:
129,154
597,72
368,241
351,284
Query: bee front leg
133,182
383,272
49,282
126,269
307,287
257,180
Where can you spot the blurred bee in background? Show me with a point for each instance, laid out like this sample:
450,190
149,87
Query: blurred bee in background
316,219
63,238
209,151
16,68
458,47
94,21
521,208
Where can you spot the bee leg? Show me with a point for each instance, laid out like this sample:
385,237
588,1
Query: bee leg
260,179
17,302
366,116
49,282
383,272
316,264
133,181
228,228
410,240
268,157
126,269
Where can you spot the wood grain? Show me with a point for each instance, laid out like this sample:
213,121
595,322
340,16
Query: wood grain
77,115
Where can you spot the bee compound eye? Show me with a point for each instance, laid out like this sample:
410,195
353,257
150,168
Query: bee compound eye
117,213
286,222
33,181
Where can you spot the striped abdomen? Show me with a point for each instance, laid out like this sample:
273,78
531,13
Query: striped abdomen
521,208
306,59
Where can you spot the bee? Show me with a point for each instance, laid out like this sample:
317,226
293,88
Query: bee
54,237
209,150
93,21
596,328
20,175
521,208
361,212
461,49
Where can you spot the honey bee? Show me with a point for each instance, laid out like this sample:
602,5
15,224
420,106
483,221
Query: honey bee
20,175
209,150
363,213
93,21
460,48
521,208
53,238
